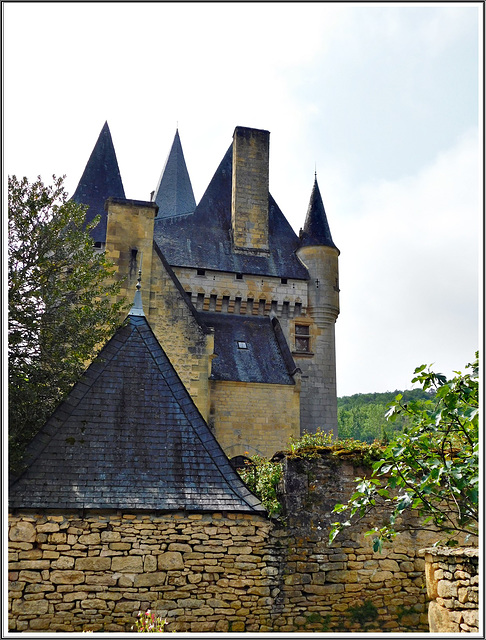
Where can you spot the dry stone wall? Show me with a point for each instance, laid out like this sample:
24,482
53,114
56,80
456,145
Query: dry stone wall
453,589
232,572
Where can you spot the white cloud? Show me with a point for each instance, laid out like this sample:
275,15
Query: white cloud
409,274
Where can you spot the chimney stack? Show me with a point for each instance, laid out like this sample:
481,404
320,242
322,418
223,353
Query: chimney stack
249,198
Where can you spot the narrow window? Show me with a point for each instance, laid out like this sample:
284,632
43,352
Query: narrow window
297,309
285,309
225,304
200,301
189,294
261,307
237,305
274,306
212,302
302,338
249,306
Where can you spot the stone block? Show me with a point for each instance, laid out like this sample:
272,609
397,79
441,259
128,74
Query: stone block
155,578
96,563
30,607
67,577
170,561
447,589
22,532
440,620
127,564
63,562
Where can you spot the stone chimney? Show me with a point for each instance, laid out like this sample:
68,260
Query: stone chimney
249,198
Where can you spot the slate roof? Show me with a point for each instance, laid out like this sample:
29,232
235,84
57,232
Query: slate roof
203,238
100,180
316,231
267,358
129,436
174,193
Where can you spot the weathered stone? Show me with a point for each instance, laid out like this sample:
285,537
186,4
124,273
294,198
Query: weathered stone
110,536
150,579
67,577
30,607
63,562
440,619
22,532
95,563
170,561
149,564
127,564
89,539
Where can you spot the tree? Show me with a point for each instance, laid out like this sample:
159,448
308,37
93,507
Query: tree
432,468
60,303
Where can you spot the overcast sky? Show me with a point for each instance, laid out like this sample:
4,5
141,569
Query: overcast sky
382,100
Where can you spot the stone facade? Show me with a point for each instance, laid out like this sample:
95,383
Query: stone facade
219,572
241,429
453,589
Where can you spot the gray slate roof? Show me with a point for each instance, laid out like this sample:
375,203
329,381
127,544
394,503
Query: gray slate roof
174,193
100,180
129,436
316,231
267,358
203,238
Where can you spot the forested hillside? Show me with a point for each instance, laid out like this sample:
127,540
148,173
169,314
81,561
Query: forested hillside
362,415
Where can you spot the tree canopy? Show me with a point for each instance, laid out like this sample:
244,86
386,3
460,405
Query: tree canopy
61,305
433,467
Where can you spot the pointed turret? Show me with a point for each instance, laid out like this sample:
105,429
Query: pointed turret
101,180
174,194
316,231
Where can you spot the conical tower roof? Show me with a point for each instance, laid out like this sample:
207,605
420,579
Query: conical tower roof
101,179
129,436
174,193
316,231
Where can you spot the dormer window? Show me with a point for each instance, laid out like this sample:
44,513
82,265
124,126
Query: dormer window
242,344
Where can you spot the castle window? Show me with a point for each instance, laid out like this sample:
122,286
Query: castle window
274,306
242,345
261,307
212,302
200,301
237,304
225,304
189,294
201,272
239,276
285,309
249,306
283,280
297,309
302,338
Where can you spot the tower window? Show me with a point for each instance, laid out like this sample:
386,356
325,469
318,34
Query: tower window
302,338
242,344
297,309
201,272
283,280
239,276
285,309
261,307
212,302
200,301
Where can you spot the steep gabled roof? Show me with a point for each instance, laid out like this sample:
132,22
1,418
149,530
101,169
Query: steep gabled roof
248,349
129,436
100,180
203,239
316,231
174,193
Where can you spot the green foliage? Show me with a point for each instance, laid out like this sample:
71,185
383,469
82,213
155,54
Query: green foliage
433,468
362,416
60,307
363,613
262,477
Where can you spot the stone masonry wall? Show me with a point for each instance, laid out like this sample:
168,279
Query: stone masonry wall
453,588
204,572
244,417
232,573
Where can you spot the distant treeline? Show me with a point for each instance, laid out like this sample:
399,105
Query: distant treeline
362,415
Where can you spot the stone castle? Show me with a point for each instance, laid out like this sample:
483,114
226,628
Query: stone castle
244,308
